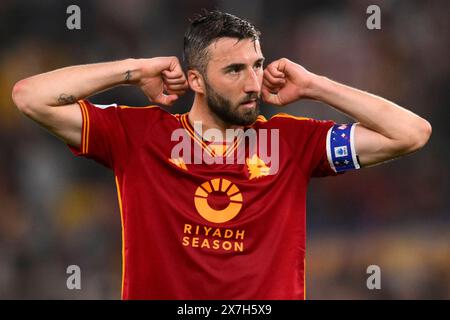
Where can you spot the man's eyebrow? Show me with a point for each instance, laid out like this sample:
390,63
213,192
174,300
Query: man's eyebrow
240,66
232,66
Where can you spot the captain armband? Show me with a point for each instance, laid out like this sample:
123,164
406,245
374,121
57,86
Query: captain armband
341,151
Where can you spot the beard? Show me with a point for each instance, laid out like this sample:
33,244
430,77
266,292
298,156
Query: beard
229,113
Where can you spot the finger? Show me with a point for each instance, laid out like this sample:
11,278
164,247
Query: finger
281,66
175,64
176,88
270,97
179,80
181,86
275,70
176,73
177,92
170,99
272,83
173,74
272,80
166,99
174,79
175,69
271,87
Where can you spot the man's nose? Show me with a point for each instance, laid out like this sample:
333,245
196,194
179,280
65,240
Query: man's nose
252,83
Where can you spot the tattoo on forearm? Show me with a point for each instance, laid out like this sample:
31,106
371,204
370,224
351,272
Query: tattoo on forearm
128,76
66,99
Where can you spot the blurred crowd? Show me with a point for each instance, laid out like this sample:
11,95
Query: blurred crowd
57,210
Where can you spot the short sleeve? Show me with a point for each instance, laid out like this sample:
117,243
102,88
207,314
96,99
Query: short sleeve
313,138
307,138
111,132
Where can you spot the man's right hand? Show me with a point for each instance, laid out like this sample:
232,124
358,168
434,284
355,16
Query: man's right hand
162,79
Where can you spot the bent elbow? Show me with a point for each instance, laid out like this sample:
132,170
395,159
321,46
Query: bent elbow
20,96
424,134
420,137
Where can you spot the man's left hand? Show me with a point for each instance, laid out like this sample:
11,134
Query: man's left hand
285,82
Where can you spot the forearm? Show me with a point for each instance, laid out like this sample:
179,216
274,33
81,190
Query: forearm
375,113
50,98
67,85
386,130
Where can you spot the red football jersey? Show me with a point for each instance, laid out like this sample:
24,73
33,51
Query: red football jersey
206,231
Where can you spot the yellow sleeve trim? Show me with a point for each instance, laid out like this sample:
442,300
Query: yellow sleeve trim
85,128
129,107
285,115
119,196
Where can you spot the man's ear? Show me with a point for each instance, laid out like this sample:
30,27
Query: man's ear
196,82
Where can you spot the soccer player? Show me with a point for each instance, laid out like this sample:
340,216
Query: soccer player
197,223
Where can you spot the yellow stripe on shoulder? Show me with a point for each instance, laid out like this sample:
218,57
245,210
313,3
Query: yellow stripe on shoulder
130,107
285,115
261,118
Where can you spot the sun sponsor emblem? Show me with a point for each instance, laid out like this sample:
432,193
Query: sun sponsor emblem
221,188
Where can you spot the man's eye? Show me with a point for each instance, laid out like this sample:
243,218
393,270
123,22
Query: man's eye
258,66
234,70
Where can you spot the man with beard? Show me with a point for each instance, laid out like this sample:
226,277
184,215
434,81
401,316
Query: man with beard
215,230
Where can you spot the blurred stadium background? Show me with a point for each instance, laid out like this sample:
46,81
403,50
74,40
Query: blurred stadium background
57,210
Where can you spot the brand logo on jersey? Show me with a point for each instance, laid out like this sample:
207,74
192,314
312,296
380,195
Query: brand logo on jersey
340,151
256,167
225,192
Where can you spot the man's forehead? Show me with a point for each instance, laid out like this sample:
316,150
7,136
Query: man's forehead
232,50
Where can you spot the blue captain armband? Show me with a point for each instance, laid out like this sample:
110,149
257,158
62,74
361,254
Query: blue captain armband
341,151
